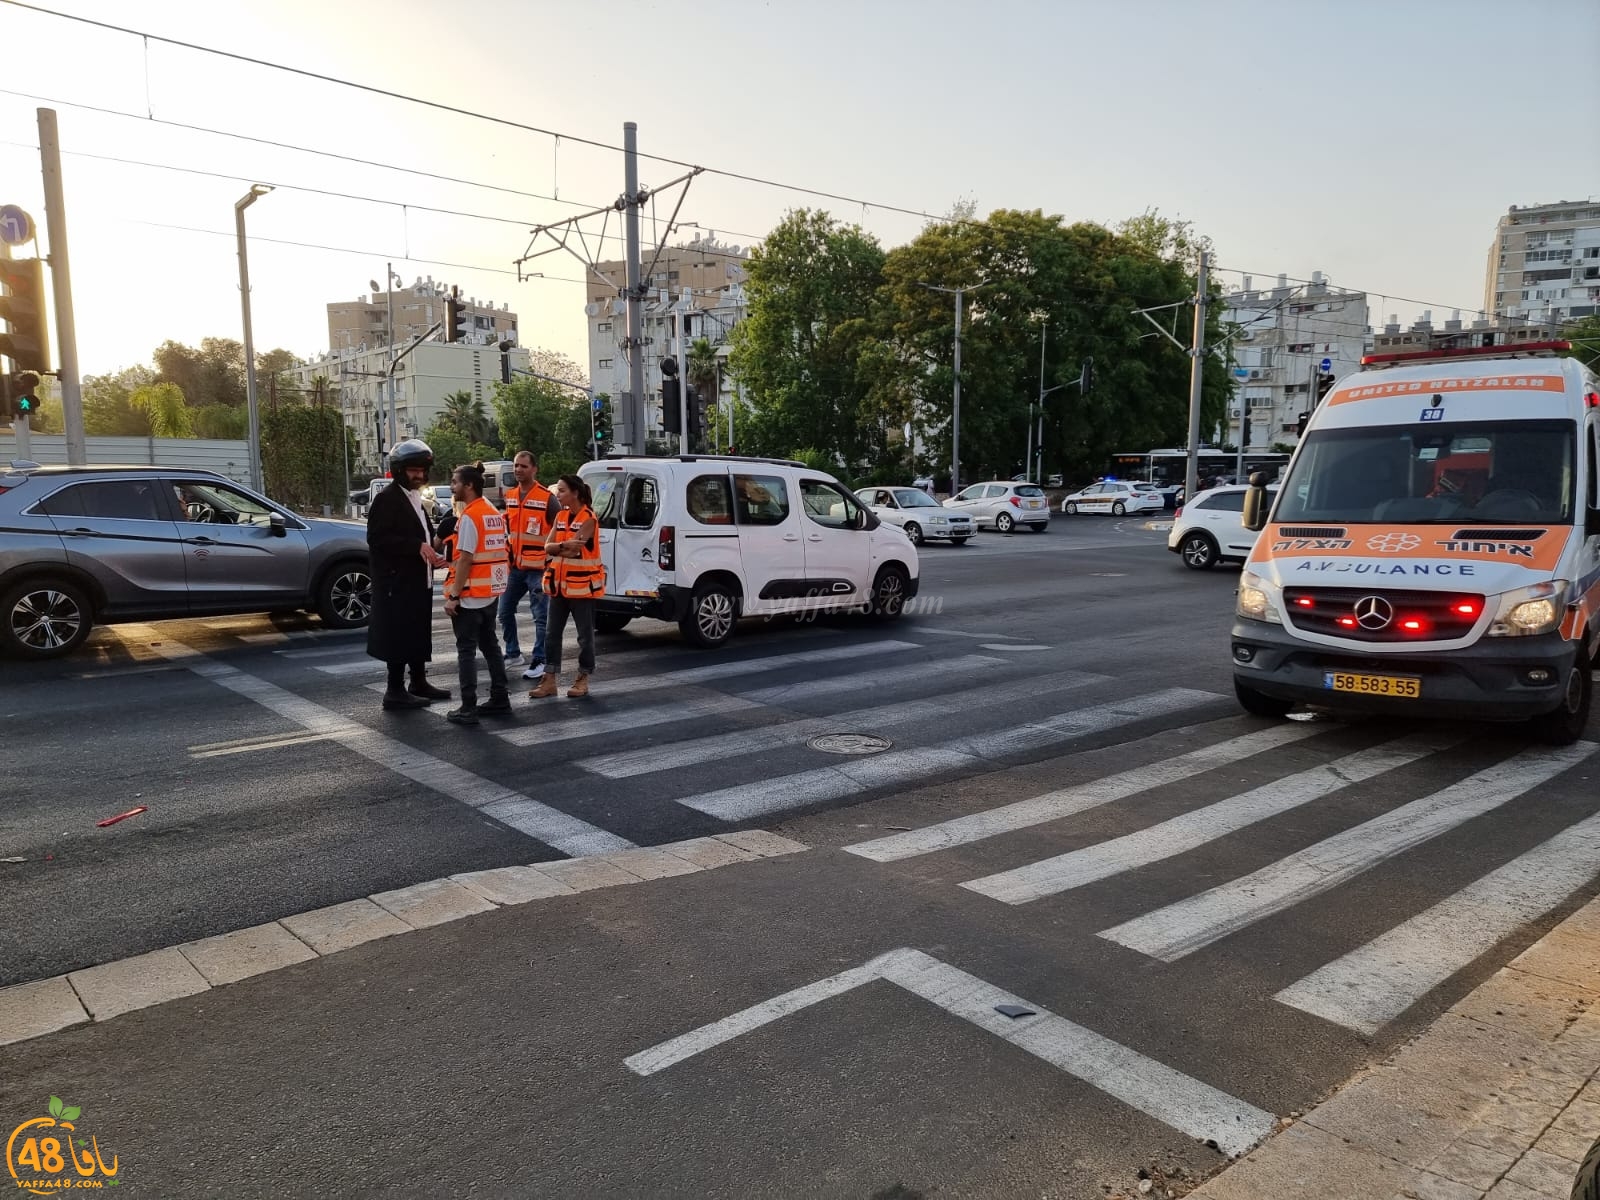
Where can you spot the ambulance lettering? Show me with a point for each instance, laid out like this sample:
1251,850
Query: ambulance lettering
1509,549
1371,568
1295,544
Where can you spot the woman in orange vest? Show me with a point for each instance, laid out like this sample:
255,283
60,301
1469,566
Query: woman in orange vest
472,591
574,578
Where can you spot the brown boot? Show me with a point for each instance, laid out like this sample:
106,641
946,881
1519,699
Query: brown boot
547,687
580,687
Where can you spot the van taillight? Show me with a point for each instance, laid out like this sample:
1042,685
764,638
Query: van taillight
666,547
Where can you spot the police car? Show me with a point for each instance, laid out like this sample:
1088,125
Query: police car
1114,497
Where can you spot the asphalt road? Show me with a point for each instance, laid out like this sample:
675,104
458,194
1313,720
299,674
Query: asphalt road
1214,920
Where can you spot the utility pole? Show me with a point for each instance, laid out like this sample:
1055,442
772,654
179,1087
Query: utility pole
1196,366
55,214
20,424
388,292
1044,330
631,435
685,442
955,399
249,198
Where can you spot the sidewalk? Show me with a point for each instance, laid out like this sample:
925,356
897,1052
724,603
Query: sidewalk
1498,1099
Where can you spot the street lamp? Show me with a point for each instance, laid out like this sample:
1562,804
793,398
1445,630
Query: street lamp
256,191
955,401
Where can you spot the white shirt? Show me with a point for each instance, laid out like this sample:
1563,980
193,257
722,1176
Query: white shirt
467,541
415,496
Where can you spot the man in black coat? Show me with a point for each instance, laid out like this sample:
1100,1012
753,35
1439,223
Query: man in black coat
400,539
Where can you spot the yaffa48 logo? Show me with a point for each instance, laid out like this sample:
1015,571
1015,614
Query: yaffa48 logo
47,1154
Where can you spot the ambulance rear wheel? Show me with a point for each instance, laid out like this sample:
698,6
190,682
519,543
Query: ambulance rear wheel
1566,724
1258,704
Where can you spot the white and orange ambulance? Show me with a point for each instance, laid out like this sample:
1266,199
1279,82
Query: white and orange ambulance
1434,548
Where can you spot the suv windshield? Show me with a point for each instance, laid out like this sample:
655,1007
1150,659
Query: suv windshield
1479,473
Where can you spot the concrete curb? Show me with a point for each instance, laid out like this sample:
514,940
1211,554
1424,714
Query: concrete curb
46,1006
1498,1098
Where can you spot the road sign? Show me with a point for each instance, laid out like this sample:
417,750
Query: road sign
1326,365
599,404
16,226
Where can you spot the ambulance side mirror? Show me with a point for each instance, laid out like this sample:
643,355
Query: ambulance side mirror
1591,527
1255,503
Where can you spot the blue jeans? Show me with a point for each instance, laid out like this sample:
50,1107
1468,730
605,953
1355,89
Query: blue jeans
529,584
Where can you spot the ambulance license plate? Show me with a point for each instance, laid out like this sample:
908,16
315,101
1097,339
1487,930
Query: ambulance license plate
1396,687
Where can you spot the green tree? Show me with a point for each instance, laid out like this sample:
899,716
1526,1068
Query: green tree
1584,334
812,287
107,403
451,448
213,373
164,406
221,422
300,456
550,420
468,415
705,375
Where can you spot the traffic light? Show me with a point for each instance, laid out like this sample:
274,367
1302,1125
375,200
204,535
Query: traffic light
1300,425
1324,386
697,414
602,425
1244,433
28,342
671,412
455,316
1086,376
505,362
23,388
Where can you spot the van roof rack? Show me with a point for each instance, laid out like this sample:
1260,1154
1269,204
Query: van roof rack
1446,354
736,458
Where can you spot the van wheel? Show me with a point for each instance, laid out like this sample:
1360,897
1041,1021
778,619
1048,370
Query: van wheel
1199,552
1004,522
889,593
608,622
344,597
44,618
914,532
1259,705
1565,724
713,609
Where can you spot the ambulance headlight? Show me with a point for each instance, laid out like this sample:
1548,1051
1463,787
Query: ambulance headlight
1257,599
1529,611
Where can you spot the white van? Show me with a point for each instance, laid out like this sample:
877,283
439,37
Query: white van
1434,549
705,539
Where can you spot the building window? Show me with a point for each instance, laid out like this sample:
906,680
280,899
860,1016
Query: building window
1300,348
605,364
603,327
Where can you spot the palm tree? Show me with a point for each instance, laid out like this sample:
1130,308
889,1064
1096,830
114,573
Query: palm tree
703,375
467,414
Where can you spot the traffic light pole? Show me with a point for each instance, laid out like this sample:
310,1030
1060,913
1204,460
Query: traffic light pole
631,437
19,423
1197,352
55,213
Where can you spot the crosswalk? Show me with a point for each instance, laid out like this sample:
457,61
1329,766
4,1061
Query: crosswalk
728,740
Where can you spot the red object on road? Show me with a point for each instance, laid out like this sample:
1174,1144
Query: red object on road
132,812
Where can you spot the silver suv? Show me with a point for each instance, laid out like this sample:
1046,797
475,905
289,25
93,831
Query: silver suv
87,545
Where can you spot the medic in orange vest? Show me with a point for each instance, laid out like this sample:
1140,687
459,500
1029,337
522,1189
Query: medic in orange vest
574,578
478,573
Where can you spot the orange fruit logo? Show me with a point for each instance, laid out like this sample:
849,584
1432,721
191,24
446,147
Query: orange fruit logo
46,1154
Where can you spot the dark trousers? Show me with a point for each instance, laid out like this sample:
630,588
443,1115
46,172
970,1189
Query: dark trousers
397,675
583,618
474,634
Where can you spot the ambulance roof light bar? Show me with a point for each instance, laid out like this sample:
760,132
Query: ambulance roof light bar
1508,350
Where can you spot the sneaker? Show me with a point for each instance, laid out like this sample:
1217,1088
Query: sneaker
467,714
536,671
515,660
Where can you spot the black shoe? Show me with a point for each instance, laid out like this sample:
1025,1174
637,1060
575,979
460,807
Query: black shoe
421,687
467,714
498,706
393,700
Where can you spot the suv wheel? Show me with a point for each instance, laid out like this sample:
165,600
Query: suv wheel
889,593
1198,551
913,532
344,597
1566,724
44,618
713,609
1004,523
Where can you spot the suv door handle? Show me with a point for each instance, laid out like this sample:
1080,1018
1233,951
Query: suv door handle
201,541
80,531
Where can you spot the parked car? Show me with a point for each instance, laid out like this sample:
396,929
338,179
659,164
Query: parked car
1211,530
917,514
81,546
1116,498
705,539
1002,504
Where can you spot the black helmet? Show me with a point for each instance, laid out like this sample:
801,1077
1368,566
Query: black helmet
411,453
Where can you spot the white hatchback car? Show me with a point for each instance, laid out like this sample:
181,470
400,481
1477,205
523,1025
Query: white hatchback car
1003,505
1211,530
1115,497
917,514
705,539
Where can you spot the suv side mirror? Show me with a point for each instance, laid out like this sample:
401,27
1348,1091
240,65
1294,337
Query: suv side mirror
1255,503
279,526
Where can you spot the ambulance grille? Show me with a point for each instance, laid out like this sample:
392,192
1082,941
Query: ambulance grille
1310,531
1475,534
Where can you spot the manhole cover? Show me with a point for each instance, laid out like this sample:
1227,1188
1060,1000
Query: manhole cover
850,743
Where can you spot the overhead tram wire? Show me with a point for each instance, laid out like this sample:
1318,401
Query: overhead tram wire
440,106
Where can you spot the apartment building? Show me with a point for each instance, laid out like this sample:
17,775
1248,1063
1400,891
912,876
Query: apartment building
1280,337
1544,263
363,323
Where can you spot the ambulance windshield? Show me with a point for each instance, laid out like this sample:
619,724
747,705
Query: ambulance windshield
1483,473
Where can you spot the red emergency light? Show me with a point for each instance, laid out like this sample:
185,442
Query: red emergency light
1509,350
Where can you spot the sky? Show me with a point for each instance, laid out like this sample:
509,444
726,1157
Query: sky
1375,141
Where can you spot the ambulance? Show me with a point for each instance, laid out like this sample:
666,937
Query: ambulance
1434,547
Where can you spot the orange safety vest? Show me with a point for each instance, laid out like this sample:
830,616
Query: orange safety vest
526,527
490,563
575,578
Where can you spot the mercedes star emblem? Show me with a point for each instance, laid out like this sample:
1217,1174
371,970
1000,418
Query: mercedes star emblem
1374,613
